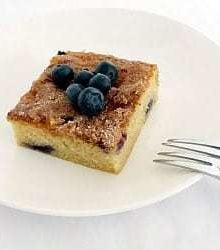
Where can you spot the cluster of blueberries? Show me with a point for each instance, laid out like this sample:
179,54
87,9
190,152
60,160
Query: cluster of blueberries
86,90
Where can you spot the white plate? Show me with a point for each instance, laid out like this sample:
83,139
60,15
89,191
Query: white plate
188,107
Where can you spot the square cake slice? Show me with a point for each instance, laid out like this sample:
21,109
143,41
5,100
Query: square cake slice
45,120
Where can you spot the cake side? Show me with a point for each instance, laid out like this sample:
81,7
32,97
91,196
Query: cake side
47,107
75,149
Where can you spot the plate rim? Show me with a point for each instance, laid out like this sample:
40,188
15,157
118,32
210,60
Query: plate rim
92,213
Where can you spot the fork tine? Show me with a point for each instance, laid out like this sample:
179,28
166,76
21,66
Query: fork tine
189,157
197,148
193,142
195,167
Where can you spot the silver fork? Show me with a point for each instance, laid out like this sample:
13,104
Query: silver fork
193,155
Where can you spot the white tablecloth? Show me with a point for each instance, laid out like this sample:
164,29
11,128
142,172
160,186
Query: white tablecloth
189,220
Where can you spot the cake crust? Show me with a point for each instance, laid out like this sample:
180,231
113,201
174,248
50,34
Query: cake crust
45,106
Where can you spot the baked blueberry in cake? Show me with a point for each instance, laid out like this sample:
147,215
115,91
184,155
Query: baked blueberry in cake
86,108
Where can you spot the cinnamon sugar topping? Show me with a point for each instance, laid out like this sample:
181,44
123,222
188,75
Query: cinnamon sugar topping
48,107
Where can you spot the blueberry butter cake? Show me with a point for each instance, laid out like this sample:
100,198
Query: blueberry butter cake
86,108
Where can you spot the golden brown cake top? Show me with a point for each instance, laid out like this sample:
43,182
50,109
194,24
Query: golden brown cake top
47,106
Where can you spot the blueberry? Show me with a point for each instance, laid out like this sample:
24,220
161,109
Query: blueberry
61,53
73,92
101,82
84,76
62,74
109,69
91,101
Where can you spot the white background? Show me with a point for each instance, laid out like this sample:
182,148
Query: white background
189,220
